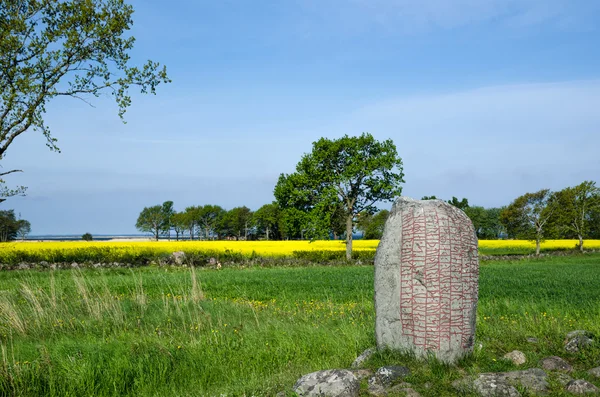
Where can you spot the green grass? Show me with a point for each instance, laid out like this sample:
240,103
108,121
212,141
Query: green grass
170,331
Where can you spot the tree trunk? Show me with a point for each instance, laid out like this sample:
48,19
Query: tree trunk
267,233
581,243
349,237
537,247
156,234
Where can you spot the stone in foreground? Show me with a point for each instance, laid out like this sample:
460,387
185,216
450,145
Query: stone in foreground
581,386
504,383
595,372
578,340
517,357
330,383
360,360
554,363
426,280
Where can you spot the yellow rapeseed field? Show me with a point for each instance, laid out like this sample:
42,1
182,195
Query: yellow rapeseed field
128,251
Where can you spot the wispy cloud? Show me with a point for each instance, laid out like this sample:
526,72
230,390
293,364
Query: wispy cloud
411,16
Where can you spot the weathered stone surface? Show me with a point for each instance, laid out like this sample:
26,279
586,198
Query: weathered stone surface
554,363
385,376
562,378
532,340
360,360
362,373
516,356
595,372
403,390
330,383
492,387
178,257
577,340
426,280
503,383
581,386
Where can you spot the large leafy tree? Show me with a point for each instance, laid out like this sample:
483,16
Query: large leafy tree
66,48
23,228
353,173
237,222
8,225
528,216
577,207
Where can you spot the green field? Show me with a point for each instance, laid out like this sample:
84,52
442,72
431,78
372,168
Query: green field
171,331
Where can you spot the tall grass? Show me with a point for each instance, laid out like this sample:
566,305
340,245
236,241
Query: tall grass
189,332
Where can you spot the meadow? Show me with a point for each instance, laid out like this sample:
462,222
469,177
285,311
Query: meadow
199,253
177,331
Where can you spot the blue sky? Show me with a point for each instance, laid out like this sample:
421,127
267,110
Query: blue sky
484,99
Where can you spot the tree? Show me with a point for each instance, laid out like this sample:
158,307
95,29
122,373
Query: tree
23,228
8,225
191,219
462,204
208,218
576,209
429,198
293,223
156,219
352,172
168,211
179,222
373,225
71,48
528,215
237,222
267,219
87,237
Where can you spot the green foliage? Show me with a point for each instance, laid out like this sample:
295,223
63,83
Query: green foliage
23,228
527,217
171,331
461,204
87,237
179,222
8,225
372,225
341,178
267,220
236,222
156,220
486,221
577,210
68,48
208,219
429,198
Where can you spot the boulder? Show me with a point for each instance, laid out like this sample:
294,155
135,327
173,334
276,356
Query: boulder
554,363
577,340
426,280
595,372
581,386
178,257
329,383
503,383
516,356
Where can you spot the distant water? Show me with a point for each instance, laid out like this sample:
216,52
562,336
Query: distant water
74,237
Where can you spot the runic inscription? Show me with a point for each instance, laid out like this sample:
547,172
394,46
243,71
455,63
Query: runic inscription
426,280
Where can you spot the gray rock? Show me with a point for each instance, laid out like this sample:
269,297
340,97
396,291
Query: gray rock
385,376
503,383
74,265
562,378
581,386
576,342
178,257
360,360
23,266
493,387
376,390
329,383
516,356
362,373
554,363
532,340
97,265
575,333
44,264
595,372
426,280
